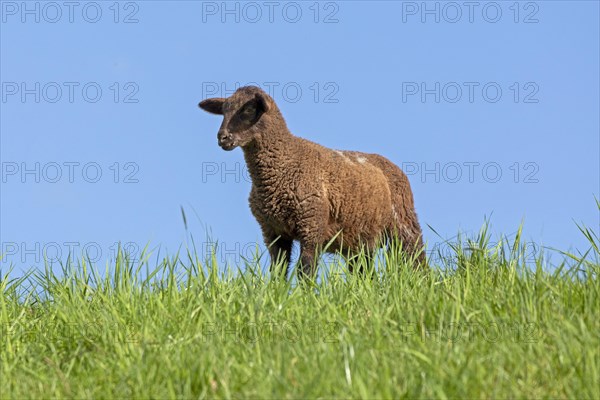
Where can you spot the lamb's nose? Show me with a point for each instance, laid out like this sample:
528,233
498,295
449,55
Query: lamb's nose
223,136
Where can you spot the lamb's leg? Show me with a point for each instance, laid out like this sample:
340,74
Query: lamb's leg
313,215
412,243
280,250
307,266
362,268
419,261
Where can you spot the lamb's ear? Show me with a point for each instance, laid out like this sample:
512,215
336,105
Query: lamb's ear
262,103
213,106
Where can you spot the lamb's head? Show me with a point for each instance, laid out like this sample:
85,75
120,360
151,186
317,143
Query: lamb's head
243,115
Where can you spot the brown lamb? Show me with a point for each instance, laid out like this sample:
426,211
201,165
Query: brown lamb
306,192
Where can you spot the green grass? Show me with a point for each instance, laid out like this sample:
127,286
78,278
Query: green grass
488,327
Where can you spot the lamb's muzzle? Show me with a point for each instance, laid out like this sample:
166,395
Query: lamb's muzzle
226,140
306,192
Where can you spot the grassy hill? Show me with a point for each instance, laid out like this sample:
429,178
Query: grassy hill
484,325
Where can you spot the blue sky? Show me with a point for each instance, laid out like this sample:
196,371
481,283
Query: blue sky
491,109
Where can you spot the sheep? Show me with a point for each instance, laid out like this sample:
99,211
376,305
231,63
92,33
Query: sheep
312,194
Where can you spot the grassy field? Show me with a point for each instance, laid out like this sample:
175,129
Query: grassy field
483,326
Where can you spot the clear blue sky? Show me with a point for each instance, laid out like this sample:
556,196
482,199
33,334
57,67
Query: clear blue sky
466,92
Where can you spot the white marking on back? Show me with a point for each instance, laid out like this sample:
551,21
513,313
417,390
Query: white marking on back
343,156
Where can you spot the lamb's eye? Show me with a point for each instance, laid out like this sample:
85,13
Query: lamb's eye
249,110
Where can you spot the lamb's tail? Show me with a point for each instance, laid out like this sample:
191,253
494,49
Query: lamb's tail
405,224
